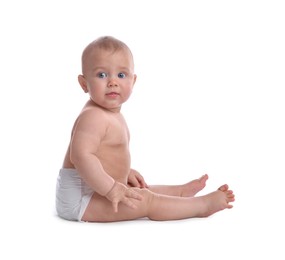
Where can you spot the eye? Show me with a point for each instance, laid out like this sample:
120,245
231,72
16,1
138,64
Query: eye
121,75
102,75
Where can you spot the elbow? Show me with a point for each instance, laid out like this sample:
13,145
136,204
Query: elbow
81,158
73,158
76,157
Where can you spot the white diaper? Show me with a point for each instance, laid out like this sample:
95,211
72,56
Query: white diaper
72,195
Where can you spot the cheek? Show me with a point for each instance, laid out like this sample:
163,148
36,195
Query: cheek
129,89
96,87
131,84
126,90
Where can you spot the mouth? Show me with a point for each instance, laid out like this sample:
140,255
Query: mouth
112,94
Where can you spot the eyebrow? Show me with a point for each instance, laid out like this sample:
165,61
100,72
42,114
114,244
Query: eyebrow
98,68
105,69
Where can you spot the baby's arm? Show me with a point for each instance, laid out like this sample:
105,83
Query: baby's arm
87,135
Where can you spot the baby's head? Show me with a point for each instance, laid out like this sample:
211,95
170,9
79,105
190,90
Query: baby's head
107,72
105,43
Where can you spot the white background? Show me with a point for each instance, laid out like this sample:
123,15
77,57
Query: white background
209,99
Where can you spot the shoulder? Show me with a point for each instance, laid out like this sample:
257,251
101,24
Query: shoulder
91,118
93,113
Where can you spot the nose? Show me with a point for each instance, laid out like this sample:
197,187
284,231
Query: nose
112,83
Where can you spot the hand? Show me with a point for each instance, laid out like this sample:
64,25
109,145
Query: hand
136,180
121,193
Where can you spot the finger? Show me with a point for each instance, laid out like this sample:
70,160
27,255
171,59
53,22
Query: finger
128,203
143,184
140,181
132,194
115,206
135,182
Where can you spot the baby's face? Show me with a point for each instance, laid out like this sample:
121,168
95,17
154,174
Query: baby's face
109,78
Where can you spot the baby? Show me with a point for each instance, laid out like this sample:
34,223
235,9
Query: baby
96,182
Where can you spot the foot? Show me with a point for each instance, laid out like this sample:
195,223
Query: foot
218,200
191,188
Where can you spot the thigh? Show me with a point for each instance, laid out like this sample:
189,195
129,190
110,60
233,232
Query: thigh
100,209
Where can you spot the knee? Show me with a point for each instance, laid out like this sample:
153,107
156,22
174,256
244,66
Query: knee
146,194
147,201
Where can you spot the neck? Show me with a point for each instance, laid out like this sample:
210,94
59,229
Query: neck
90,102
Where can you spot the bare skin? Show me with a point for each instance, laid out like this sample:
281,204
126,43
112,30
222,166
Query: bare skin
160,207
189,189
99,150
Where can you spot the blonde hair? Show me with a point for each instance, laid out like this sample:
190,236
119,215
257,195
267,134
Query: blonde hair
107,43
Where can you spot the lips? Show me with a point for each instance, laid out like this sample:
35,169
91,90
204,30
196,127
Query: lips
112,94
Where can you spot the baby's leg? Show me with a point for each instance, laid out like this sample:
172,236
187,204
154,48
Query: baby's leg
189,189
168,207
100,209
160,207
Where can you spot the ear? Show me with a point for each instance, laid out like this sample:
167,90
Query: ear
135,79
83,83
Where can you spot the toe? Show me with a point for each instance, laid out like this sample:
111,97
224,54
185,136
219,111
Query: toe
224,187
